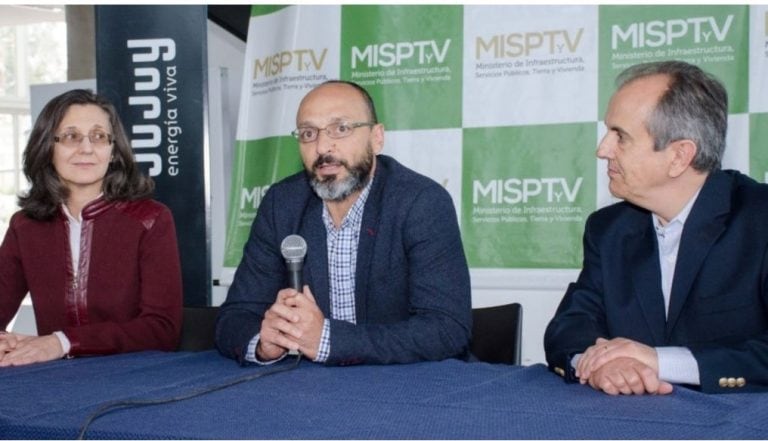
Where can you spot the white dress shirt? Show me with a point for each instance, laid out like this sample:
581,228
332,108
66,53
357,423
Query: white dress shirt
676,363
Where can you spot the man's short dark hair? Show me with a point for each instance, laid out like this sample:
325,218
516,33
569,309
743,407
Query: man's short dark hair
366,97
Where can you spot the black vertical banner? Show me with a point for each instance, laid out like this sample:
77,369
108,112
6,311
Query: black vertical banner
151,63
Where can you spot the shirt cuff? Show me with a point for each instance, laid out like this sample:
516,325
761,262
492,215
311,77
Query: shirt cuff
575,360
250,354
677,365
64,341
325,343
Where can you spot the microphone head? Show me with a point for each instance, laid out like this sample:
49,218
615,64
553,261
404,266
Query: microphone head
294,248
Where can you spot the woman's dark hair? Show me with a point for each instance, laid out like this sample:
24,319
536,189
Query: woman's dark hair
123,181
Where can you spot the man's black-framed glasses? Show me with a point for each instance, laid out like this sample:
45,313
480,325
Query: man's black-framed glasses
335,131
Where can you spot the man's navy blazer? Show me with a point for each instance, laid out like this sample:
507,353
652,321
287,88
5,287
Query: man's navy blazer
412,288
719,299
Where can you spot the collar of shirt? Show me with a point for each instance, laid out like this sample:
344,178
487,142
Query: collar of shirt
677,222
75,228
69,215
355,214
80,215
668,238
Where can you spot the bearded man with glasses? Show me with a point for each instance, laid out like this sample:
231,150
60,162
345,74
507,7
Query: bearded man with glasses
385,276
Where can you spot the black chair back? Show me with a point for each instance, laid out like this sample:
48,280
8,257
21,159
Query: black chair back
198,328
497,333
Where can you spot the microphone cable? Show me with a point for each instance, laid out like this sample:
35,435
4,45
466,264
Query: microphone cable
111,406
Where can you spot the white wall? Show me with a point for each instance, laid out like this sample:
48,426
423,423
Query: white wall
226,54
538,291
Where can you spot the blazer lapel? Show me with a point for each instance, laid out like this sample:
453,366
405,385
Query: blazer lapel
316,262
642,261
369,230
704,225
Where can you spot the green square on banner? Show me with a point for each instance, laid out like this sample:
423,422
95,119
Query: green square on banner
758,146
409,58
715,38
526,194
258,164
257,10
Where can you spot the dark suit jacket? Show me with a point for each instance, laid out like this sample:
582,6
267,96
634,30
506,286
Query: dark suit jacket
719,300
412,289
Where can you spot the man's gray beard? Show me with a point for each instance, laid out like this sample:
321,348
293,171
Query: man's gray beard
336,191
332,189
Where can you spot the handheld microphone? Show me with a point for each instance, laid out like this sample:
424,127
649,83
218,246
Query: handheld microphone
294,248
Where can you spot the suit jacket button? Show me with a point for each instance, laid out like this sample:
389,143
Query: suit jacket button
731,382
559,371
740,382
723,382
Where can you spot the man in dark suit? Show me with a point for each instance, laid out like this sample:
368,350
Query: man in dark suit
386,279
674,285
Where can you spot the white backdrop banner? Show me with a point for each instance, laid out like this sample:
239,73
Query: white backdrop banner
502,105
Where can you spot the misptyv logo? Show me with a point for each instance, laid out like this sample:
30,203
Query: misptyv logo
658,33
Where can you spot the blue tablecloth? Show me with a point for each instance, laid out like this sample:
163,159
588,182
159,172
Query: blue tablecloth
444,400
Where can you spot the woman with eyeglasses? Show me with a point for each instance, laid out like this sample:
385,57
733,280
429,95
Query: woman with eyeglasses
97,255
